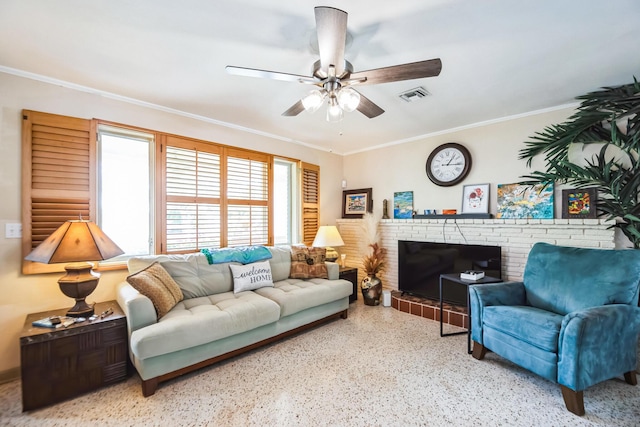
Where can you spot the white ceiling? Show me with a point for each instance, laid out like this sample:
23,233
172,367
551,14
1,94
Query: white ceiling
500,58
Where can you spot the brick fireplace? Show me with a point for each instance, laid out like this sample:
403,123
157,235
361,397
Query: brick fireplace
514,236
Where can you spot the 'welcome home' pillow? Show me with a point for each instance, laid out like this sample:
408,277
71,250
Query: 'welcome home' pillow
251,276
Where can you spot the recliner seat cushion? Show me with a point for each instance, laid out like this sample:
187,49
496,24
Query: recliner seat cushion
532,325
197,321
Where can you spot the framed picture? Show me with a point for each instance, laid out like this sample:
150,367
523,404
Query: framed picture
579,203
403,205
356,203
525,201
475,198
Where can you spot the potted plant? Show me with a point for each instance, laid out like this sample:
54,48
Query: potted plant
373,263
609,121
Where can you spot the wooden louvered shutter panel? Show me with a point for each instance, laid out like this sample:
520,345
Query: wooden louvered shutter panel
58,178
310,202
193,182
247,194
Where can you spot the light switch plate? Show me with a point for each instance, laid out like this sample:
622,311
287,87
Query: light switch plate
13,231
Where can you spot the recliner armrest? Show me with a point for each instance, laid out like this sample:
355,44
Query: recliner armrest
597,344
480,296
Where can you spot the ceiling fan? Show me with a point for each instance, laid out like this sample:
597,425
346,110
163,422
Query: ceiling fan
334,75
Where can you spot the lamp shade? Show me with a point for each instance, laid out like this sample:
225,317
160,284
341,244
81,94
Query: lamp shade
74,241
328,235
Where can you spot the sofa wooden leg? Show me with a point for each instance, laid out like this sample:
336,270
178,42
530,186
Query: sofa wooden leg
574,400
344,314
630,378
149,387
479,351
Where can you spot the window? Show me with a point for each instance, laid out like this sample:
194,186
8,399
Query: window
158,193
124,188
216,196
284,202
247,199
193,182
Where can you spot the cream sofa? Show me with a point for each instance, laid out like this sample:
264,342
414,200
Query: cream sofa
213,323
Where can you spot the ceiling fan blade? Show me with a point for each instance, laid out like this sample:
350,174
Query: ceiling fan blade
294,110
331,26
273,75
368,108
396,73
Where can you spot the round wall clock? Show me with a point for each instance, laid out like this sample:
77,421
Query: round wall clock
448,164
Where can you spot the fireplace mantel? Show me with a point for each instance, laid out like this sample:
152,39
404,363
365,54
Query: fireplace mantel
515,236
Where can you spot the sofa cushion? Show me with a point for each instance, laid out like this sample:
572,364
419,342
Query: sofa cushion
308,263
192,272
294,295
280,262
155,283
566,279
251,276
198,321
539,328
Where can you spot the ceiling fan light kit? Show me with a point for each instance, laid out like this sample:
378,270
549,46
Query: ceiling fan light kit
334,112
334,75
313,100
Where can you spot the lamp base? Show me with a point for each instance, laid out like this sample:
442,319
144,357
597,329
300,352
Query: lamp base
331,254
78,284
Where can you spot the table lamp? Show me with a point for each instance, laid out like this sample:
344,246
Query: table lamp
327,237
76,241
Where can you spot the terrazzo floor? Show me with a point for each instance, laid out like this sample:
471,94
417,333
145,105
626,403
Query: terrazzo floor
379,367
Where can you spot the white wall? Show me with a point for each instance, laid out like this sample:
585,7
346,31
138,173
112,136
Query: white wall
19,294
494,150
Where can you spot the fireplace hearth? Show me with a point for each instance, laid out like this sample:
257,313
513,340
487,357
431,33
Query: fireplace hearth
452,314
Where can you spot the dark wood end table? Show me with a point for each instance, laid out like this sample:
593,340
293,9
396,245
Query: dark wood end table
351,274
60,363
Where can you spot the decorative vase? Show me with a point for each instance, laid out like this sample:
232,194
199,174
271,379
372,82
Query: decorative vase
371,287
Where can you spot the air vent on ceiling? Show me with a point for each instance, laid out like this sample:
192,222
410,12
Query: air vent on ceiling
414,94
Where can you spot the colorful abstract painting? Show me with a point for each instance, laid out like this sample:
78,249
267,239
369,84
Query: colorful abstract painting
579,203
403,204
524,201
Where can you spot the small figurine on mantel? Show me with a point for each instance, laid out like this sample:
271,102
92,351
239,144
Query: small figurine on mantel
385,209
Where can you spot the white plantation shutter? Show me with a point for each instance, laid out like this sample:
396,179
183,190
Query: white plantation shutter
192,183
248,205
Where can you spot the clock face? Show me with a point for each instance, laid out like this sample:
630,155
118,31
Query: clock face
448,164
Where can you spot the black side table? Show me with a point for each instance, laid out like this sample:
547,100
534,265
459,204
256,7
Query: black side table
455,278
350,274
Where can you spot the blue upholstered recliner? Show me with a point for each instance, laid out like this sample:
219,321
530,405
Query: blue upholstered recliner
574,319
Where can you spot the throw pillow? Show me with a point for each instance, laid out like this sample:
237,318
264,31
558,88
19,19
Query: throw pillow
308,263
156,284
251,276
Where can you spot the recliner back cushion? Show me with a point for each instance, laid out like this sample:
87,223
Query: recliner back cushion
565,279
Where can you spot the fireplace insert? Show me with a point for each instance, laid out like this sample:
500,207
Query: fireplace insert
420,265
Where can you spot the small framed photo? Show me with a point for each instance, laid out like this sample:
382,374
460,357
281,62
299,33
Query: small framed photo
475,198
403,205
356,203
579,203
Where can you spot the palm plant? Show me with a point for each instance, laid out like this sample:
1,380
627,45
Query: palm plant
610,117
